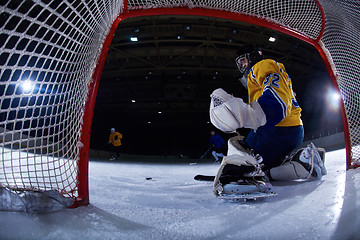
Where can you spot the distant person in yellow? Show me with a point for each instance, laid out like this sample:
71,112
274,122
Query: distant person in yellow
115,141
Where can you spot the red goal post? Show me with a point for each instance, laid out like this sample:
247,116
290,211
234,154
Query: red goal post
75,64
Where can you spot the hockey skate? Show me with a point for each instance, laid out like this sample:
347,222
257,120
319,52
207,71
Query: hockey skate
240,176
305,163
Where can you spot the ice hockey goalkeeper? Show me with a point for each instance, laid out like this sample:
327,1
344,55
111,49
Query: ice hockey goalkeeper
273,114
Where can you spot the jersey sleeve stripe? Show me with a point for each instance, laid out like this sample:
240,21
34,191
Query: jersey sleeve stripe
252,74
278,66
278,98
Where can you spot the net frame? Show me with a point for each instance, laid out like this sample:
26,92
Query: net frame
109,14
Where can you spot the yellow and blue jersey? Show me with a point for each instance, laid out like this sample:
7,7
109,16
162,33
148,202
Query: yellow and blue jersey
269,84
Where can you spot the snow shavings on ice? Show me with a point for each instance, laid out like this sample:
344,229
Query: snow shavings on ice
124,205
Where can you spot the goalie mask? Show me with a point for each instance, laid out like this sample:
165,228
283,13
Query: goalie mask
247,57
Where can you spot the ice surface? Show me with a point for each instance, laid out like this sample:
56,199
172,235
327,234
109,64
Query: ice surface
124,205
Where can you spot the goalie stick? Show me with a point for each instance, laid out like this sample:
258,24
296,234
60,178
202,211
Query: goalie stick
204,178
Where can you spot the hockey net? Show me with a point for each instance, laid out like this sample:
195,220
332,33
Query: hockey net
49,50
49,61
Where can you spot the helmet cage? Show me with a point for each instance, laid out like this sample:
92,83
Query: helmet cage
243,62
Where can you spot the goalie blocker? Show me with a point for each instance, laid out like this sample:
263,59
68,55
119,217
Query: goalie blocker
228,113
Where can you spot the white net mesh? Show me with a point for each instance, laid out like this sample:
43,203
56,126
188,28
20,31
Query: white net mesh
342,39
303,16
49,50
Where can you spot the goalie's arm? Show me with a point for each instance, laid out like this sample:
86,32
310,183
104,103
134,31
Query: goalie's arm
276,93
274,107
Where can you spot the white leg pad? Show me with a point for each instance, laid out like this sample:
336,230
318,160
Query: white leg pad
234,147
238,160
289,171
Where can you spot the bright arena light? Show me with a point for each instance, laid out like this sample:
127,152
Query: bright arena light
336,96
333,99
134,39
272,39
27,86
